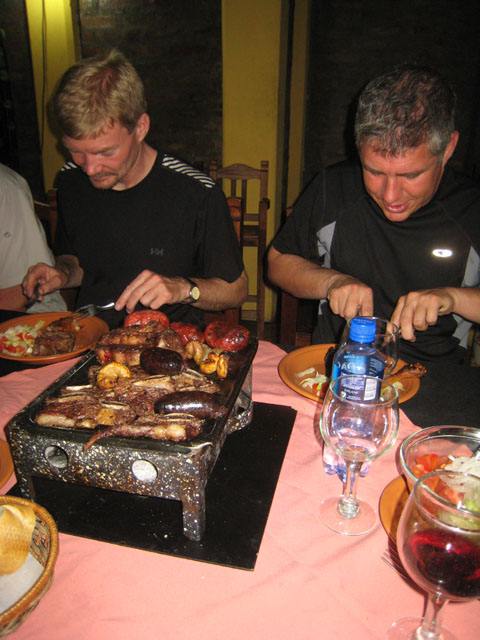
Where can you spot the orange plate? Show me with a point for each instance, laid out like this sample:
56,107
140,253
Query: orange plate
6,462
90,331
307,357
390,508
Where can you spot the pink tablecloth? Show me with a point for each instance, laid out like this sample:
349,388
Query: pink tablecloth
308,582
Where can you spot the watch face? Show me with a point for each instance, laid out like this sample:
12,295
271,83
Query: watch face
195,293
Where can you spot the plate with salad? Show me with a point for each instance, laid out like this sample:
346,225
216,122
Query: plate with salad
395,494
303,370
17,336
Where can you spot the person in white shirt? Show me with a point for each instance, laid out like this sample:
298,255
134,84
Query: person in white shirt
22,243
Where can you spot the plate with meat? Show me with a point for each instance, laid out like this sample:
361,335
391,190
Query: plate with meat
305,371
46,338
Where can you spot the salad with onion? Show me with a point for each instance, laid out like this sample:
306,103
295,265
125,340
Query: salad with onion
450,488
19,340
315,382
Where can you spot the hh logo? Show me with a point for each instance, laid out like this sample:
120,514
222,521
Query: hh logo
156,251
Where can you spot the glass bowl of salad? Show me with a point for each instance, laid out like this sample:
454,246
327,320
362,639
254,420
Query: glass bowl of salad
441,447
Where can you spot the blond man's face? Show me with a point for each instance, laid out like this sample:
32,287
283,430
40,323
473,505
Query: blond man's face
109,159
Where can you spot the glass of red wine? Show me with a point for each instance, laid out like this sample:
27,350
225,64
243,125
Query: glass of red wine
438,540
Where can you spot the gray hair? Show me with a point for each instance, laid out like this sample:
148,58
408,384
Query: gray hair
404,108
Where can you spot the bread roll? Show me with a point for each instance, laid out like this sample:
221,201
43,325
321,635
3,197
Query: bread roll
16,528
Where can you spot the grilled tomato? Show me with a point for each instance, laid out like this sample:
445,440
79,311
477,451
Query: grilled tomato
228,337
145,316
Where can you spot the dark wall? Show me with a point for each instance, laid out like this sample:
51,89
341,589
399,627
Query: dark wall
19,137
351,41
176,46
177,49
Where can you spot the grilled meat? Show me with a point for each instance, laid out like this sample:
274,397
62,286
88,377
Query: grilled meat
83,410
57,337
198,403
415,370
169,339
53,342
175,426
126,344
121,397
128,400
157,360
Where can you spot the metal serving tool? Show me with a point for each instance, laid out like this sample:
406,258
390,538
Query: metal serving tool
91,310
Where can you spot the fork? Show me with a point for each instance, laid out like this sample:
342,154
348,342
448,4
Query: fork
391,557
91,310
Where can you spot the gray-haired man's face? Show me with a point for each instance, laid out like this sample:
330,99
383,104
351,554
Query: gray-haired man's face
401,185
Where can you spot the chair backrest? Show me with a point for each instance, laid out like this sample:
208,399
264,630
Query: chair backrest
48,214
235,180
288,333
242,173
237,212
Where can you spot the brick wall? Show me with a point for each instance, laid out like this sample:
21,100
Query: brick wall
26,157
176,47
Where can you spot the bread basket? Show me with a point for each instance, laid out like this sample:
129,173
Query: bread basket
44,547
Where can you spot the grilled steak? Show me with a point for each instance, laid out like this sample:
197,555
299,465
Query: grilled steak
83,410
57,337
175,427
51,343
126,405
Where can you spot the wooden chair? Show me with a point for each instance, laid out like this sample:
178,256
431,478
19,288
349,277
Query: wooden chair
237,212
254,226
288,333
47,212
48,218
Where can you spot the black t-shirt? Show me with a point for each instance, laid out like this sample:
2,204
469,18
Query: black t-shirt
337,224
175,222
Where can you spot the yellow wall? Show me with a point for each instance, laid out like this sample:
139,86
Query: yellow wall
254,47
55,28
298,92
254,58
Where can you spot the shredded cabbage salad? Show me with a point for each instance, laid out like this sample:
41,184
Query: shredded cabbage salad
466,486
315,382
18,340
453,488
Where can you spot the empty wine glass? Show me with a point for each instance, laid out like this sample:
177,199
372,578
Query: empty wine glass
357,431
438,540
387,336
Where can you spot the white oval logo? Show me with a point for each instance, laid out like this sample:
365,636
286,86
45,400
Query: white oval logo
442,253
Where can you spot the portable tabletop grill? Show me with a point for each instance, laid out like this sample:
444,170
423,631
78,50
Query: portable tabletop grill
156,468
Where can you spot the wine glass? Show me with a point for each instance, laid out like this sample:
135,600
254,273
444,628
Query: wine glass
438,540
387,336
357,431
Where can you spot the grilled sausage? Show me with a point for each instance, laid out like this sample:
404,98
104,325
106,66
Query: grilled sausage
158,361
198,403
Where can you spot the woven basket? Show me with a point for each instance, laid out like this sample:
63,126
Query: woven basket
44,548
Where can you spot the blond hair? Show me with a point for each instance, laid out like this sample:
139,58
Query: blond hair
98,92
